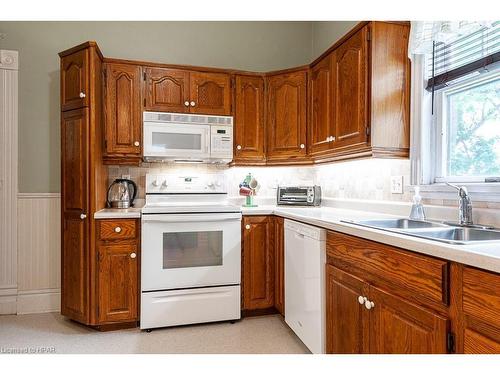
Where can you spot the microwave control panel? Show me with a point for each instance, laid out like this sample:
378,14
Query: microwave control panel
221,140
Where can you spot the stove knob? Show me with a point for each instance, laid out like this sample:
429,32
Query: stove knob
154,183
164,184
211,185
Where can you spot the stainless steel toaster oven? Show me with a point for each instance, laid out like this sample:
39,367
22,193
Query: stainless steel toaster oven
299,195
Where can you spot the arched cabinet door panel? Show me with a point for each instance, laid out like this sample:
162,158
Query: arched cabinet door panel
287,115
249,118
123,110
350,77
210,93
75,80
166,90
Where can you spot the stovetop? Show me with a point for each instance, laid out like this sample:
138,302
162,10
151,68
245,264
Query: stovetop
196,193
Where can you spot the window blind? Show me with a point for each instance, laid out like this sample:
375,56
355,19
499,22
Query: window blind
463,56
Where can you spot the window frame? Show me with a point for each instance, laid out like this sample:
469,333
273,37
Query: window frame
423,146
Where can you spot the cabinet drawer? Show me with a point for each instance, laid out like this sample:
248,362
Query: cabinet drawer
416,275
117,229
481,295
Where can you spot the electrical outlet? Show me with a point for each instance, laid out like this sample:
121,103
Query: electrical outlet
397,184
126,176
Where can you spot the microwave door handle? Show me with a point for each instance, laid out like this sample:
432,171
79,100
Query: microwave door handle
208,133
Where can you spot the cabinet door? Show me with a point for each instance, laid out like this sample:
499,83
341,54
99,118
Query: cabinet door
321,127
287,104
346,319
249,119
75,80
117,282
123,110
481,309
75,229
258,262
279,270
210,93
399,327
350,77
167,90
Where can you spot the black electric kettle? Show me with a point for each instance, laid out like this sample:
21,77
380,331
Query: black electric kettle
119,194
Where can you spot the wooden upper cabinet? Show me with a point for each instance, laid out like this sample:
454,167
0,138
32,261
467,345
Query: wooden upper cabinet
166,90
321,126
249,119
75,229
399,327
75,80
286,121
210,93
118,282
258,262
350,84
347,320
123,110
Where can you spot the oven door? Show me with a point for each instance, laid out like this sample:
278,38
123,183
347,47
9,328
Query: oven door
190,250
176,141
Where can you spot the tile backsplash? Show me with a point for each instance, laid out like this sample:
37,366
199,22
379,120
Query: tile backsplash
357,179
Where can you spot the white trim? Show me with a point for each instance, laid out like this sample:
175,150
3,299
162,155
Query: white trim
9,76
38,195
38,301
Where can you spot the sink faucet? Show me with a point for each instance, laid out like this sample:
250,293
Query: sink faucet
464,205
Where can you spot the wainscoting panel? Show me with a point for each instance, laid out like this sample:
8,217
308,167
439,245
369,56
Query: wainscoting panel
39,252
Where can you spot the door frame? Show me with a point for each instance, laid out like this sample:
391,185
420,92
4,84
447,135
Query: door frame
9,67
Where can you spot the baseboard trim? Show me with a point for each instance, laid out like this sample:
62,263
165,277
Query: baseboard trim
38,301
8,305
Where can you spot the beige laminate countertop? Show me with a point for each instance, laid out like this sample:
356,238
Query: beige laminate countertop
482,255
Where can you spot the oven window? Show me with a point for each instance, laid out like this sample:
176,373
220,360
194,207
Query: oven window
192,249
176,141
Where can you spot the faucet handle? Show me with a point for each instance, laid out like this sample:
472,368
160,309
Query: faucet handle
462,190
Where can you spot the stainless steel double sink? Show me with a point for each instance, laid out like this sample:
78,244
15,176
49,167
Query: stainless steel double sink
437,231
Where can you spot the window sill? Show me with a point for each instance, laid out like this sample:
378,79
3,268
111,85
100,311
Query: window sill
479,191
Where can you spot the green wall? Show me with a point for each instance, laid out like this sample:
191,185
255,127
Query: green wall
255,46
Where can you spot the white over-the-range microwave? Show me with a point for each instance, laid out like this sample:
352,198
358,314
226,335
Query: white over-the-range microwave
187,138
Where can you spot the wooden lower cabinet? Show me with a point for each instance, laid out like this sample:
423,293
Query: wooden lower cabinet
369,309
117,271
279,270
258,263
479,328
346,318
400,327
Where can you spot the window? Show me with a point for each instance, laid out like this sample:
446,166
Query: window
467,123
456,114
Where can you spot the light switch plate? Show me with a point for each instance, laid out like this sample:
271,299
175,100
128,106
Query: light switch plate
397,184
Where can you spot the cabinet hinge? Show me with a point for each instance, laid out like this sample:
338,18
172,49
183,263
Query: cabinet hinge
144,76
105,144
368,35
367,129
450,342
144,102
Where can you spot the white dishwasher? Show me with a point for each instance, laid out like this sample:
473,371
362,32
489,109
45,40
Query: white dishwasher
305,258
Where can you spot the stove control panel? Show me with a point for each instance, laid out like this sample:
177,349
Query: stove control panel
185,183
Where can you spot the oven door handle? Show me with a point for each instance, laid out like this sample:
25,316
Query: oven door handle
169,218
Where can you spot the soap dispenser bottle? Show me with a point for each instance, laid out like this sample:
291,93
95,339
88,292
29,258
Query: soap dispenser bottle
417,209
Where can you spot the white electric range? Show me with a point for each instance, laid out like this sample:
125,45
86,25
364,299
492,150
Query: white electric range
191,251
